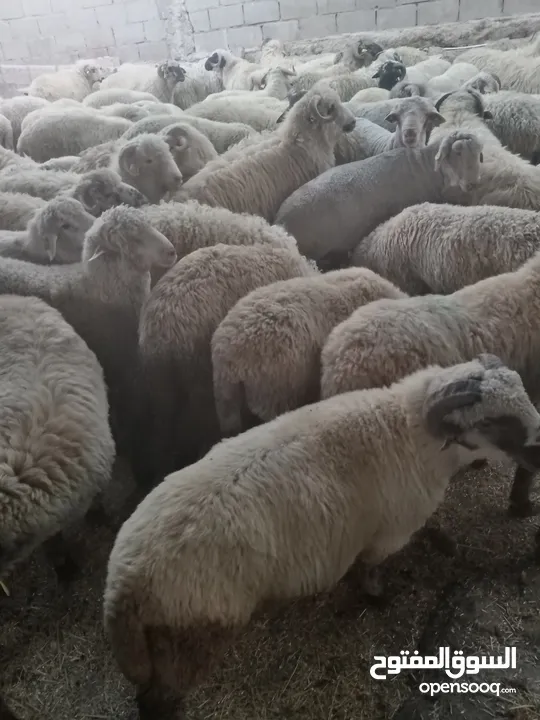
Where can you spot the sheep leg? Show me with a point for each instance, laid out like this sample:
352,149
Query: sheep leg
58,554
520,495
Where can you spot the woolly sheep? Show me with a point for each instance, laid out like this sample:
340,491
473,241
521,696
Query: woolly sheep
133,113
177,323
15,109
441,248
54,234
260,182
57,133
505,178
333,212
62,163
515,70
376,111
405,89
10,159
234,72
373,94
452,79
284,510
260,114
190,149
423,71
198,84
114,95
6,133
266,352
484,83
74,82
274,82
159,80
515,121
389,74
57,447
17,209
384,341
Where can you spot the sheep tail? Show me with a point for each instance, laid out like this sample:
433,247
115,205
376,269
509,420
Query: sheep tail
128,640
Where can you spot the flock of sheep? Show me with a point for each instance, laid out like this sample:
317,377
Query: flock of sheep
305,295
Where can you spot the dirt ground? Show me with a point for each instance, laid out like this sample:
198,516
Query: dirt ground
310,660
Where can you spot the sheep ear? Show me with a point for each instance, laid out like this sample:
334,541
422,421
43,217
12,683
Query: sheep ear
98,253
488,115
319,108
222,63
50,246
282,117
436,119
392,117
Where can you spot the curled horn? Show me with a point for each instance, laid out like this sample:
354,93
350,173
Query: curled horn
454,396
330,115
442,99
497,79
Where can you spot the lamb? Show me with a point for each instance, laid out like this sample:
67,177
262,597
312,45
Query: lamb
234,73
284,510
259,183
6,133
177,411
515,121
159,80
484,83
515,70
198,85
57,132
332,213
101,297
15,109
441,248
423,71
57,446
505,179
74,82
261,113
452,79
113,95
499,314
54,234
266,352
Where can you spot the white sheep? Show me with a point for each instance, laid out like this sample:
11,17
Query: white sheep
15,109
266,352
515,70
57,450
73,82
432,248
234,72
372,94
158,80
423,71
17,209
452,79
6,133
284,510
261,113
388,339
114,95
484,83
197,85
515,121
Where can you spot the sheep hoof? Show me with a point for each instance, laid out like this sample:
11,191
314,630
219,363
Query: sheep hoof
522,509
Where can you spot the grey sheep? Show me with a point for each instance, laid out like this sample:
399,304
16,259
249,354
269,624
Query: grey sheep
57,449
59,132
101,297
332,213
54,234
113,95
6,133
516,70
15,109
158,80
432,248
284,510
259,183
266,352
405,89
17,209
198,84
515,121
388,339
177,410
73,82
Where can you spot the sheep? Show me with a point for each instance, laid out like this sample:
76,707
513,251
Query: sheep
159,80
373,94
451,79
74,82
505,179
17,209
54,234
484,83
498,314
10,159
177,409
284,510
134,113
113,95
515,121
432,248
234,73
376,111
266,352
260,182
15,109
515,70
221,135
261,113
198,84
423,71
66,162
6,133
332,213
389,74
101,297
57,132
57,445
405,89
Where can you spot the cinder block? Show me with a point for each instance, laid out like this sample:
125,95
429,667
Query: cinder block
517,7
129,34
5,32
261,12
71,41
94,3
195,5
372,4
100,37
398,17
210,41
17,74
154,30
128,53
226,17
153,51
478,9
335,6
9,10
244,37
35,7
37,70
285,30
200,21
291,9
24,28
60,6
357,21
317,26
83,20
16,50
229,2
439,11
90,53
52,24
43,48
140,10
111,15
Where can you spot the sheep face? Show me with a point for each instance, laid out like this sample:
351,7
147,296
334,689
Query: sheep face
483,405
57,231
101,190
124,231
459,160
93,74
217,60
171,73
484,83
390,73
147,164
415,117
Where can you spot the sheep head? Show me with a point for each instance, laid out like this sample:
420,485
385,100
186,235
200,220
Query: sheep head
458,159
171,73
101,190
467,100
483,405
57,231
484,83
415,118
359,54
217,60
390,73
123,233
92,73
146,163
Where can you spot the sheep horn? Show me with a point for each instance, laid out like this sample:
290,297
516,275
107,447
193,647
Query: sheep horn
97,254
455,396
